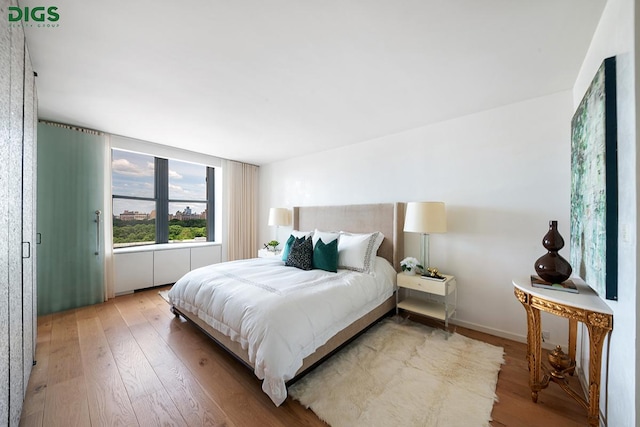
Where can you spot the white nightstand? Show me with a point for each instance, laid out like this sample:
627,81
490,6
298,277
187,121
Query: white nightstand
441,296
264,253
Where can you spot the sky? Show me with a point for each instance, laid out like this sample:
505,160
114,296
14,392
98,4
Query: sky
132,175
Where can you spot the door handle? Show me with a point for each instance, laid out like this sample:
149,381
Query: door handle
97,252
28,250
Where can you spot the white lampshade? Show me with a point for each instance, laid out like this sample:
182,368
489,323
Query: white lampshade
425,217
279,216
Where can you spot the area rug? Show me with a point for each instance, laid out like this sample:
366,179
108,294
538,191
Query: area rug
400,373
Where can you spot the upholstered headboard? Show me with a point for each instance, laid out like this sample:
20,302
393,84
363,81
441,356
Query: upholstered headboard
387,218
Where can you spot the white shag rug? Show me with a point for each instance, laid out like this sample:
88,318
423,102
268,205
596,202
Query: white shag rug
400,373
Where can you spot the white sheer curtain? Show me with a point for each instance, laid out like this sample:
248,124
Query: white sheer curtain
242,210
109,289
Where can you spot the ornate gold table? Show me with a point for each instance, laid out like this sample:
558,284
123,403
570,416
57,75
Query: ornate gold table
585,307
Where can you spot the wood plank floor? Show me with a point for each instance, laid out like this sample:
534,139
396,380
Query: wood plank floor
130,362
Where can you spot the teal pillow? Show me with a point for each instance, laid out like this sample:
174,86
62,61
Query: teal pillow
287,247
325,256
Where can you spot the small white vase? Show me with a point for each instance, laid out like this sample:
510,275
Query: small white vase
409,272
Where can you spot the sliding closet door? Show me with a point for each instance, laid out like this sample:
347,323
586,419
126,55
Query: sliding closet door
5,114
17,166
29,170
70,201
16,124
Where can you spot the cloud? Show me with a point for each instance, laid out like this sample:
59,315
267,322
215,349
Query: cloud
174,174
125,167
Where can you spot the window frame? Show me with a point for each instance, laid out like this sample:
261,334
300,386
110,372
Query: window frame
162,201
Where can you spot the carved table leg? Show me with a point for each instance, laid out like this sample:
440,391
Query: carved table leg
573,335
596,341
534,349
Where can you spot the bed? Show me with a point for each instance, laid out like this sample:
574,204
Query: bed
281,321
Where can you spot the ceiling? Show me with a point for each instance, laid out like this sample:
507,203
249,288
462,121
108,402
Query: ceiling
260,81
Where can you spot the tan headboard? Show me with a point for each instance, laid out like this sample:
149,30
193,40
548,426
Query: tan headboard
387,218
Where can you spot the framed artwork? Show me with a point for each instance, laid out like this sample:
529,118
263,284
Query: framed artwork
594,185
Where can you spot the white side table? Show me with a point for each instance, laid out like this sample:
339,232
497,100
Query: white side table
442,308
264,253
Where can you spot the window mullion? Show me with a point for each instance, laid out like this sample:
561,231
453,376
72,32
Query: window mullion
211,205
162,200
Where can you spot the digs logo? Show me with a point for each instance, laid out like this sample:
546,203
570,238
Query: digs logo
37,14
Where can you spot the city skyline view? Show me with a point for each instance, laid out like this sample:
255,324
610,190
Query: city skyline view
187,213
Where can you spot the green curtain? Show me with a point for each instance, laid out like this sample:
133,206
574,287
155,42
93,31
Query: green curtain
70,191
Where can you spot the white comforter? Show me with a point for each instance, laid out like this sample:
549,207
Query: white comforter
280,314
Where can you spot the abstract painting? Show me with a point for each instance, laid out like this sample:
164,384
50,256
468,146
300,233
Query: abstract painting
594,185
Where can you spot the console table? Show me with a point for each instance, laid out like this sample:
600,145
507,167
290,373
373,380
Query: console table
585,307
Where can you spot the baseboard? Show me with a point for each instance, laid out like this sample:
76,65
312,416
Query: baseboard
119,294
548,345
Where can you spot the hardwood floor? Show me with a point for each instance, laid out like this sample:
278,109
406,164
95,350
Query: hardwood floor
131,362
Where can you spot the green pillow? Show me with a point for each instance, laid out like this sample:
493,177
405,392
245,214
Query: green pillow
287,247
325,257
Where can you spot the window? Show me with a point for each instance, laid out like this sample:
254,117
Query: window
158,200
134,205
187,201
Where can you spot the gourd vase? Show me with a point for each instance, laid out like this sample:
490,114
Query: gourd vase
552,267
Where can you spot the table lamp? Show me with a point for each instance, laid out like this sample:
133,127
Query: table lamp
279,217
425,218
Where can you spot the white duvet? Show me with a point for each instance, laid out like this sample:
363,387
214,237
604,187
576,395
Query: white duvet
280,314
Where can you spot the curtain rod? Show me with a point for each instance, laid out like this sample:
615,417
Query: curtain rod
76,128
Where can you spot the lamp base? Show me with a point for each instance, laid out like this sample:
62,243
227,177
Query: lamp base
424,252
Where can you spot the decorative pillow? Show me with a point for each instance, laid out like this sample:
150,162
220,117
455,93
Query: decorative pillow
287,247
325,257
295,234
301,254
326,236
357,252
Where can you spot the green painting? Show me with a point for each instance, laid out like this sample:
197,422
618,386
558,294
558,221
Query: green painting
594,194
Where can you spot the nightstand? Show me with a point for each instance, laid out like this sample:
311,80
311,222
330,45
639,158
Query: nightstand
441,297
265,253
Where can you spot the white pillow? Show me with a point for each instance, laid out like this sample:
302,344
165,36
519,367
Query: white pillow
298,234
357,252
326,236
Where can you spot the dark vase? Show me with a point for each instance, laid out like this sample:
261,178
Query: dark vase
551,267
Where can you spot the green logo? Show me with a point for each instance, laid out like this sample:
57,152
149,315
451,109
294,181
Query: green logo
37,14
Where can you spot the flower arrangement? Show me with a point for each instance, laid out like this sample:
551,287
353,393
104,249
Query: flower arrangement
273,245
410,264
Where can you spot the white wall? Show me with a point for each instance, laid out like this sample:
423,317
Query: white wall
503,175
615,36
